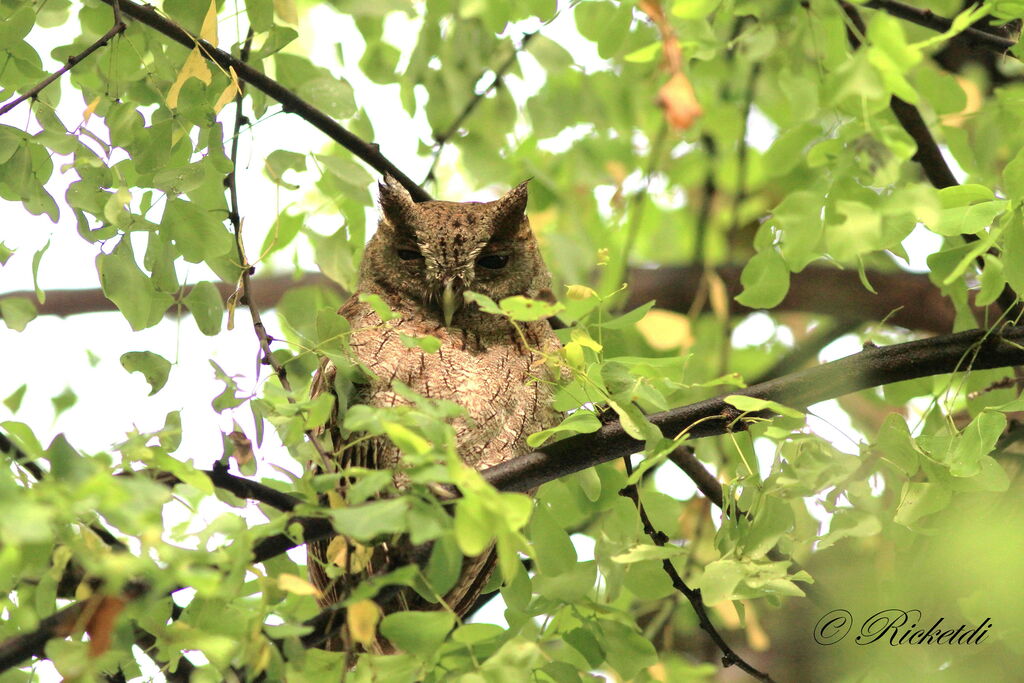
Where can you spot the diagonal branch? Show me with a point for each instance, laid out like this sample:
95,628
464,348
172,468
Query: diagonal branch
117,28
928,19
693,595
928,155
442,138
246,270
370,153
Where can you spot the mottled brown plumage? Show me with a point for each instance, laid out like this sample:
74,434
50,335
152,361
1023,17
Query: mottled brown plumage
420,261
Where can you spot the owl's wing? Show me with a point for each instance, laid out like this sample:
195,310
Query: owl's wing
345,452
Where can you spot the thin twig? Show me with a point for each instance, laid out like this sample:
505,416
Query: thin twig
292,103
442,138
928,19
693,595
118,27
929,156
234,216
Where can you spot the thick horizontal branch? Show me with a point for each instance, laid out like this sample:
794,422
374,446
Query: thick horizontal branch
909,300
292,103
976,349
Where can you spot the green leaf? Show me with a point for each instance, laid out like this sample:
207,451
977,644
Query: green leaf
968,220
920,499
227,398
17,312
977,441
993,280
474,530
891,54
860,231
129,288
896,446
205,305
382,310
198,234
750,404
645,552
964,195
426,343
17,25
279,161
485,303
13,402
419,633
765,280
153,367
5,254
798,216
634,422
720,580
1013,252
36,259
555,553
63,401
1013,177
522,309
368,521
580,422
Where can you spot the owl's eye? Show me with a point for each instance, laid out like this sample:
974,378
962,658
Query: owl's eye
493,261
408,254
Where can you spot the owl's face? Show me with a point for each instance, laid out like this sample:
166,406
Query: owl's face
429,254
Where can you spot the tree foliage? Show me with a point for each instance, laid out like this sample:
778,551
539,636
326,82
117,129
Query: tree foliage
850,171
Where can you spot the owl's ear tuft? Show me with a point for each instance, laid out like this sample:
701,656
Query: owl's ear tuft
395,200
510,209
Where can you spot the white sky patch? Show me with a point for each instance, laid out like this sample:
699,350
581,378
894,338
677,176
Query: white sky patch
673,481
754,330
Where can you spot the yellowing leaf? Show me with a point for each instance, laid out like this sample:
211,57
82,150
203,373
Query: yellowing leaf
195,67
718,295
581,337
665,330
285,11
580,292
362,618
229,92
296,585
209,30
90,109
346,553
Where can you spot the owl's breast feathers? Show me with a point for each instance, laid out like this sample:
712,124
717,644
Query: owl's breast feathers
501,382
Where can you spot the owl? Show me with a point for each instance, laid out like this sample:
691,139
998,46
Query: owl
420,261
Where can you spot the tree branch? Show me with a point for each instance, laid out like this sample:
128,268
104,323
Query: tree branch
117,28
975,349
929,156
499,73
370,153
909,300
928,19
875,366
693,595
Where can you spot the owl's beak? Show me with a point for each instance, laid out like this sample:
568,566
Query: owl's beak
451,301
